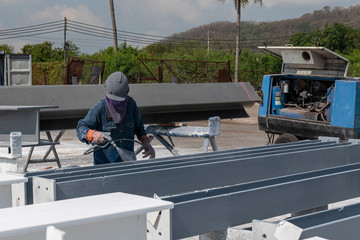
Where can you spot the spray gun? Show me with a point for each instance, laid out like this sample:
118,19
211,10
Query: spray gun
125,155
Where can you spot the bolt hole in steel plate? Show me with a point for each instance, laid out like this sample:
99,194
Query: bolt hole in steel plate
306,56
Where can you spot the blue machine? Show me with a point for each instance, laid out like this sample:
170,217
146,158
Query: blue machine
311,97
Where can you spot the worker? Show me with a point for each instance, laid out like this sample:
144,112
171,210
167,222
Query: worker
119,115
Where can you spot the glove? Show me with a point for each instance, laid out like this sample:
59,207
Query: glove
148,150
95,136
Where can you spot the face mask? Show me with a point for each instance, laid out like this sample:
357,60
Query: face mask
117,109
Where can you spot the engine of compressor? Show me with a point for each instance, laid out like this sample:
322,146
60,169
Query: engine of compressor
302,98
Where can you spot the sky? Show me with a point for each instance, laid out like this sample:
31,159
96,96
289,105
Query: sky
139,21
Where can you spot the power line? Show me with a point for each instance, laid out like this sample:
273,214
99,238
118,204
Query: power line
29,35
108,37
128,32
106,33
31,31
132,37
30,27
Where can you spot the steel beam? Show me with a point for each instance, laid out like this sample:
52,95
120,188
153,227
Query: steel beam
113,170
157,102
116,216
6,182
218,156
12,120
339,223
166,176
214,209
194,162
235,152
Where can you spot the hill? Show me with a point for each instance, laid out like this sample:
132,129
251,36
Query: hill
253,34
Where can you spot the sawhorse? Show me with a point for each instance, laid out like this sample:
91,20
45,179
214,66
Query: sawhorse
208,133
26,119
51,143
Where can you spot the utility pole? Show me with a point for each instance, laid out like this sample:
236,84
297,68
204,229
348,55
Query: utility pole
237,50
208,41
65,44
66,47
113,24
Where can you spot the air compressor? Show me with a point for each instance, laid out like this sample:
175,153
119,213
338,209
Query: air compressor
311,97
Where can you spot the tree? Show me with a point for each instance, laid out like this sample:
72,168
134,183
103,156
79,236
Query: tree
337,37
124,59
45,52
238,4
6,48
48,61
341,38
41,52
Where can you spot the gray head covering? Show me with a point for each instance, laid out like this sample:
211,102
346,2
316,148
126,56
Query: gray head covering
116,86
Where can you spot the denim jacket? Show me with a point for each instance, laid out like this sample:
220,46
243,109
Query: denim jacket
98,118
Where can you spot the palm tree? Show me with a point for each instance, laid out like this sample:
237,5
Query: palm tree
238,4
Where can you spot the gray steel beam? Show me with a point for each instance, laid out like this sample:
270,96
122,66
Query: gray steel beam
219,156
157,102
196,162
339,223
180,177
214,209
236,152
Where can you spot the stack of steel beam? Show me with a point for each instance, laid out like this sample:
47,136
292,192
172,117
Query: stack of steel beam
228,187
173,175
157,103
337,223
240,204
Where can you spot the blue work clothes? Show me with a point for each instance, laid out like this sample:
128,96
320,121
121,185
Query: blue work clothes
98,118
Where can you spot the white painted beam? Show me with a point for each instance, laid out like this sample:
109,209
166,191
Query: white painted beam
106,217
6,180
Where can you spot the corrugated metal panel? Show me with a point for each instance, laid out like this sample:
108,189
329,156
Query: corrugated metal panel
19,69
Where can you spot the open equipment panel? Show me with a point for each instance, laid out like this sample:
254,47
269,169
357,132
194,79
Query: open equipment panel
311,97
